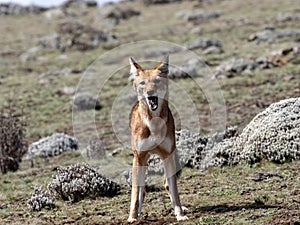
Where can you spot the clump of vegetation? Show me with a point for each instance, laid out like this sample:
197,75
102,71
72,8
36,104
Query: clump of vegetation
76,182
12,144
39,200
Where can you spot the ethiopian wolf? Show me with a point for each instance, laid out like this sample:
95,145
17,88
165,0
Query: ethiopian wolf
152,132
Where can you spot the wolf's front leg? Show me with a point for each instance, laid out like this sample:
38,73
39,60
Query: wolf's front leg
171,186
138,186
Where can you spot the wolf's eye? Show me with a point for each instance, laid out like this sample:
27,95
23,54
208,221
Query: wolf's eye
156,81
142,82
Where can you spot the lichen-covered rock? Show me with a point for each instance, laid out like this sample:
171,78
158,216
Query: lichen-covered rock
159,1
94,151
191,149
114,14
271,35
52,145
237,66
76,182
155,52
79,3
39,200
197,16
73,34
188,69
16,9
85,101
285,17
273,135
203,43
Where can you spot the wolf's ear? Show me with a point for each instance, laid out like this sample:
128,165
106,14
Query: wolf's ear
134,68
163,66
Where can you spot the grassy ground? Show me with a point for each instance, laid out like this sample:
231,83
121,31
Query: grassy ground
216,196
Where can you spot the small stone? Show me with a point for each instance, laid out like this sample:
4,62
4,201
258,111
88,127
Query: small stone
85,101
52,145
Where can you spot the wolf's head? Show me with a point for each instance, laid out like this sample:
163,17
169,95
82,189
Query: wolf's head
151,86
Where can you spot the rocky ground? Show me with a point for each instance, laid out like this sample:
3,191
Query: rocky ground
252,49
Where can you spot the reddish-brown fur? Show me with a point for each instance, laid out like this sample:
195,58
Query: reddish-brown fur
153,132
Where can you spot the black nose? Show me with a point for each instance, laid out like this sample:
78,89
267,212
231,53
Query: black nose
150,93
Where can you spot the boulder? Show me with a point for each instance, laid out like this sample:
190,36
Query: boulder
115,14
191,149
153,52
203,43
271,35
197,15
234,67
272,135
85,101
187,70
94,151
79,3
72,34
159,1
286,17
52,145
64,71
76,182
16,9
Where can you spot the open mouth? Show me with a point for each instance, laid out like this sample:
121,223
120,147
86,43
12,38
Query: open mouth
152,102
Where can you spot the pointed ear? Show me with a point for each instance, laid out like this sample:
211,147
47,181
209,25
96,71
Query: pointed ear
163,66
134,68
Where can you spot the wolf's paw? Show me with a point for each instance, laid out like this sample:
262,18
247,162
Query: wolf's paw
131,220
181,218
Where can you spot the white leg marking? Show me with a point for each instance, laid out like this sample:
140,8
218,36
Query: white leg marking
141,198
170,172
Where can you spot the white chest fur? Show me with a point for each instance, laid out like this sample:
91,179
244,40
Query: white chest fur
158,136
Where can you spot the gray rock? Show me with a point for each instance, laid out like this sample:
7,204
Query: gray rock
66,91
272,35
212,50
285,17
197,15
31,53
187,70
191,149
50,41
114,14
94,151
159,1
203,43
64,71
76,182
52,145
72,34
153,52
79,3
16,9
273,135
85,101
234,67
